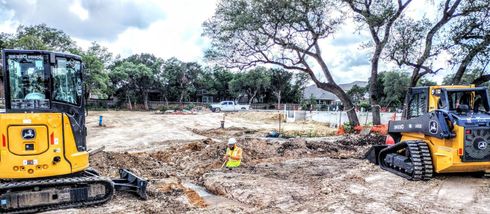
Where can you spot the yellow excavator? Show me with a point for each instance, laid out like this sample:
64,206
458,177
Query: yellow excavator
44,162
446,130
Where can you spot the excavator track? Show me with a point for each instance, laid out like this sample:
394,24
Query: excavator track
408,159
29,196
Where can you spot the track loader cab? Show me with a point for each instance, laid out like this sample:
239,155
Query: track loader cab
446,129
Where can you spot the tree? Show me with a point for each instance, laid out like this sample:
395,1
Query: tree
395,86
280,80
415,43
251,83
42,37
420,35
180,78
222,78
299,82
5,41
132,80
96,77
245,33
379,17
470,37
357,94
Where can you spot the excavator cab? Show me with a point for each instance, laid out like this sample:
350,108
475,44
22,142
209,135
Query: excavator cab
44,162
44,123
446,129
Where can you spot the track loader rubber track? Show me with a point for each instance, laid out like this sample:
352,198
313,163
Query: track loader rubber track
39,195
409,159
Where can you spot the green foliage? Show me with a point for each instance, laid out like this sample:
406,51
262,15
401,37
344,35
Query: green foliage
179,79
467,78
297,85
96,76
250,83
190,106
349,127
365,105
426,82
280,82
42,37
132,80
357,94
163,108
395,86
221,78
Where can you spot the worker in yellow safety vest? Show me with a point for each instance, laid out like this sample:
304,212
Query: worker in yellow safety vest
233,156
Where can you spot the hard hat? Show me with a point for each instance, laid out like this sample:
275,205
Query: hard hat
232,141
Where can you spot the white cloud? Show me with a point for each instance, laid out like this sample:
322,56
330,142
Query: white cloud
77,9
178,35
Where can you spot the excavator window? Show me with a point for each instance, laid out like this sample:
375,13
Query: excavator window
29,81
67,81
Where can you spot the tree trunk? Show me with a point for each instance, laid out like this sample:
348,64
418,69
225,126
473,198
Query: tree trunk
145,98
181,98
252,98
482,79
278,100
130,107
87,93
468,58
344,98
373,86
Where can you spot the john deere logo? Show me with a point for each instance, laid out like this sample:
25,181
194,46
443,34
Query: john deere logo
28,134
433,127
482,145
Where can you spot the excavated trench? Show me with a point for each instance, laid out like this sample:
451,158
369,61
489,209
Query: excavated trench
183,174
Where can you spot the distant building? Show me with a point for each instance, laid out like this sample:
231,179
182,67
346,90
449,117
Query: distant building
323,97
205,96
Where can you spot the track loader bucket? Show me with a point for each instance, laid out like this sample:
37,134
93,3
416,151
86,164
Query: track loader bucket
373,153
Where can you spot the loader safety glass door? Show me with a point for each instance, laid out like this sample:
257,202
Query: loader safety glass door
418,103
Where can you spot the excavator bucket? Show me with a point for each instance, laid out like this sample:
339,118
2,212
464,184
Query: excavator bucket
130,182
373,153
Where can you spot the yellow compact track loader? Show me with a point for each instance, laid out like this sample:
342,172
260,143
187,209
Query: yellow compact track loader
44,163
446,130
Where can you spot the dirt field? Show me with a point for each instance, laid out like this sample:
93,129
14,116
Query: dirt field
180,155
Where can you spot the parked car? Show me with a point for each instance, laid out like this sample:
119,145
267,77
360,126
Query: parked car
228,106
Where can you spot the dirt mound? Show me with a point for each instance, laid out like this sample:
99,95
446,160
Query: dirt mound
257,116
168,168
363,140
226,133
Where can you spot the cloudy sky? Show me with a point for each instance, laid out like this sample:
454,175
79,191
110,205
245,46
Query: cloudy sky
166,28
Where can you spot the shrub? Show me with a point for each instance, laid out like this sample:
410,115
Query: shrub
190,106
163,108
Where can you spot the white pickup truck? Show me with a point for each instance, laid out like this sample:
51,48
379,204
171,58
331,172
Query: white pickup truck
228,106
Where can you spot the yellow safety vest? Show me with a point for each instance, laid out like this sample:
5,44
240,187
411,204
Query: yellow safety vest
236,153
